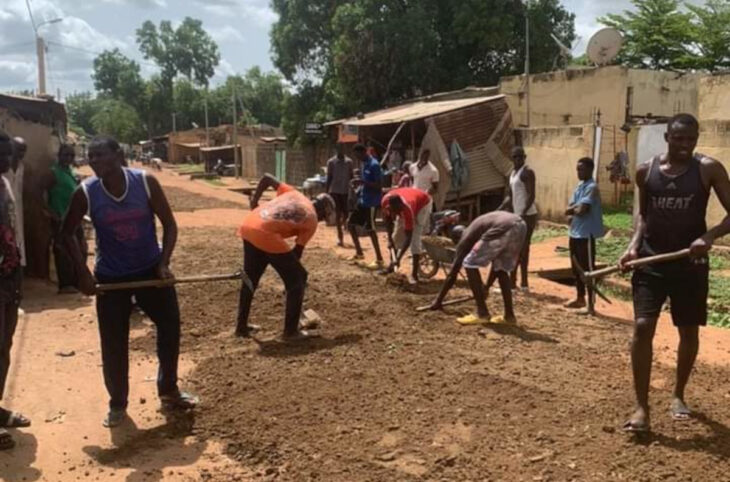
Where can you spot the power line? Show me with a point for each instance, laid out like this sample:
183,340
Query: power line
59,44
19,44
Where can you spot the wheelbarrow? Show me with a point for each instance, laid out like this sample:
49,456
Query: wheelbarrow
440,254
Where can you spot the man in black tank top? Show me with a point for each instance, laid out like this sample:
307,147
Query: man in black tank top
674,189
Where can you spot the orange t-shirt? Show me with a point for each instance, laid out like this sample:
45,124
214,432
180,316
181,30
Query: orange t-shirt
288,215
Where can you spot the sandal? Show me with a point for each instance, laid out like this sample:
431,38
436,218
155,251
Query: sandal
115,417
179,401
6,440
471,320
16,420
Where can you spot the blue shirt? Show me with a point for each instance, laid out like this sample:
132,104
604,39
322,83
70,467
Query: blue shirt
370,197
589,224
126,241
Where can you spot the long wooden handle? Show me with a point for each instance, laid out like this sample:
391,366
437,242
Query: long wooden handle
659,258
455,301
161,283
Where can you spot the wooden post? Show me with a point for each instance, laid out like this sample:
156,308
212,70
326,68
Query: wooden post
413,143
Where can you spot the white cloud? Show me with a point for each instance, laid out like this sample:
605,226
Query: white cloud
587,13
226,33
258,10
72,45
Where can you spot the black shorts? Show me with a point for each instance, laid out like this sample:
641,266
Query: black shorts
340,203
362,217
686,288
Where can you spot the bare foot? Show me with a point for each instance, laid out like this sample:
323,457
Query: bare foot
638,423
680,411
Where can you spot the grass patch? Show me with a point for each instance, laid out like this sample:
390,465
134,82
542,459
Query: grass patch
719,302
186,169
215,182
609,250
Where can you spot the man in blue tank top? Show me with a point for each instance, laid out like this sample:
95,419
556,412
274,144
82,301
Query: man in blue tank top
674,189
122,204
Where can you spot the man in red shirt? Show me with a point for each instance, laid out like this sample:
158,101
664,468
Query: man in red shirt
411,209
265,231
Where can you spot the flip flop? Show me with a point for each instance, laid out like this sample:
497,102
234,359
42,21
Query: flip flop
634,427
114,418
6,440
470,320
16,420
179,401
680,413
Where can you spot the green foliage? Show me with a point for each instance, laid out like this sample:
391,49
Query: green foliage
368,53
81,109
661,34
187,50
610,249
117,119
118,77
711,35
187,57
719,301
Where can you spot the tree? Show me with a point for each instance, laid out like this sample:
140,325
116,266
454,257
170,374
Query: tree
117,119
81,109
363,54
118,77
187,50
657,35
711,35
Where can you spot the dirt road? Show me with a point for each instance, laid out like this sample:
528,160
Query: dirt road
385,394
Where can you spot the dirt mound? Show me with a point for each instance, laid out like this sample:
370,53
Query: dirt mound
181,201
388,394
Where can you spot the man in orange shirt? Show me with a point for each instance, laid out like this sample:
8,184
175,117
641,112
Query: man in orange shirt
264,232
410,208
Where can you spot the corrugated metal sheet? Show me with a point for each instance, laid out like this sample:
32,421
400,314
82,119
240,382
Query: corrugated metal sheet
484,132
413,111
483,175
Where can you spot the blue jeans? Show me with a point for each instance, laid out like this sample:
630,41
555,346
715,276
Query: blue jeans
114,309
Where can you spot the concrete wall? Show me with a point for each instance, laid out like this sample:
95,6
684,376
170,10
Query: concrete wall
571,97
714,117
663,94
714,98
715,142
552,153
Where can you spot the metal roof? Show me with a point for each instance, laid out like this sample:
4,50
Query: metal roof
413,111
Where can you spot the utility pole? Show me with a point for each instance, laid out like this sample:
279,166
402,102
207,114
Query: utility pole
174,122
527,59
40,47
235,137
207,129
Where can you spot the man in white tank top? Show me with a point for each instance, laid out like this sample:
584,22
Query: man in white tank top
520,199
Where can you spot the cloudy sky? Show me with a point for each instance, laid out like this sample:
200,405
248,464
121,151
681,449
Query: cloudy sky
241,28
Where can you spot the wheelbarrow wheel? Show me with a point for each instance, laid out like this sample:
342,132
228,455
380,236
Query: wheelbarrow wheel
427,267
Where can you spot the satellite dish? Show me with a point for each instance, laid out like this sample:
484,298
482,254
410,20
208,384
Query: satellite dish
604,46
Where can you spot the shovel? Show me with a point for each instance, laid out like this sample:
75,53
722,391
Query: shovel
161,283
637,263
591,277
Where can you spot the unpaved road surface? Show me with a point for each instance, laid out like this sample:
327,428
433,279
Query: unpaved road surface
384,394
